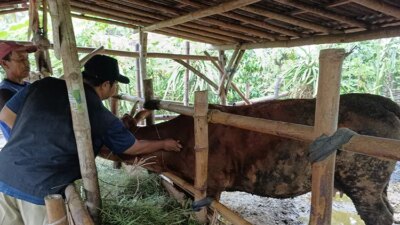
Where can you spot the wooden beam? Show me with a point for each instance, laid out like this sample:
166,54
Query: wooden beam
11,4
246,19
324,13
131,18
223,7
8,11
186,83
201,150
196,25
386,32
380,6
326,122
288,19
198,73
60,12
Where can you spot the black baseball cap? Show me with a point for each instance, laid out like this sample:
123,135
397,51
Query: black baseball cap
104,68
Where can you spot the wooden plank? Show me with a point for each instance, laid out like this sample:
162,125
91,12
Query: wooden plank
201,150
386,32
288,19
55,209
326,120
380,6
61,17
223,7
324,13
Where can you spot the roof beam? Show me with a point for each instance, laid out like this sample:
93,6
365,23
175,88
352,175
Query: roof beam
316,40
379,6
223,7
3,12
288,19
322,12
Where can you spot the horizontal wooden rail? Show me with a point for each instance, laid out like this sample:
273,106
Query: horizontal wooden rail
136,54
223,210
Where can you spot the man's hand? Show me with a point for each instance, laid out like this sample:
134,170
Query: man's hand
172,145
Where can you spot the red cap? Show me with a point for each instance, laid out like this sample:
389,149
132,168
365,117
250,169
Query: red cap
8,46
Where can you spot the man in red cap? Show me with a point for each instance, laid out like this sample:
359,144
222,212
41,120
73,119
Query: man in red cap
14,60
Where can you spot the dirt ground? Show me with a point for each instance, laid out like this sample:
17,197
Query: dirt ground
295,211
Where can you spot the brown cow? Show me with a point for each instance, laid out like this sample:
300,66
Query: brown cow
272,166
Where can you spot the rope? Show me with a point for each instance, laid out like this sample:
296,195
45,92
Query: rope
325,145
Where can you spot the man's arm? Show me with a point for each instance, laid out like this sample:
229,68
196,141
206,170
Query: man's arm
147,146
8,116
5,95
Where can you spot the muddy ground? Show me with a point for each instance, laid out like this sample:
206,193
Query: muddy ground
268,211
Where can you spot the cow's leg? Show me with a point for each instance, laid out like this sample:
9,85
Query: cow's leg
364,179
372,207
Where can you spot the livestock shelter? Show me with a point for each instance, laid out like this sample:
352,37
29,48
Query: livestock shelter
225,25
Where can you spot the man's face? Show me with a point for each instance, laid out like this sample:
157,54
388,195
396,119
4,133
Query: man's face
17,66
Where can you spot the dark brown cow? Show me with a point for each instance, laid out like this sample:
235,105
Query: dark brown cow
271,166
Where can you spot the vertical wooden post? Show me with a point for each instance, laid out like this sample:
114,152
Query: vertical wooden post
55,209
222,63
201,148
326,119
186,79
78,212
139,82
143,54
114,105
148,94
60,11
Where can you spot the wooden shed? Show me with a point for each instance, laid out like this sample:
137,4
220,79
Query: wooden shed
239,25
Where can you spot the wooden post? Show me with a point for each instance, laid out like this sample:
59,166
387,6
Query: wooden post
78,211
186,79
139,83
114,103
55,209
201,148
148,94
61,18
326,119
222,63
143,54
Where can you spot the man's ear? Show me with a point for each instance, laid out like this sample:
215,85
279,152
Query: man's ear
3,64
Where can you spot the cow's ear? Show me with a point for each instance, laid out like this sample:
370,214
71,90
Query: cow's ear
142,115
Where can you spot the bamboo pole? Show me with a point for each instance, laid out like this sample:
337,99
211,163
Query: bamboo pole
233,69
136,54
62,26
148,94
198,73
326,120
221,86
324,13
386,32
246,19
55,208
288,19
201,149
8,11
223,210
79,212
380,6
222,63
223,7
114,105
186,78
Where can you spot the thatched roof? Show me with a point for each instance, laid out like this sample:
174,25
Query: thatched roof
251,23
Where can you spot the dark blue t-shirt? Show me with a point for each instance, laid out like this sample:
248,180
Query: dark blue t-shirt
38,158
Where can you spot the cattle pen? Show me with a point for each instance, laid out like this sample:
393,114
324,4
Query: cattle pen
227,25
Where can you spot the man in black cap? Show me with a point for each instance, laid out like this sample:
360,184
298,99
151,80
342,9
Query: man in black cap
41,156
